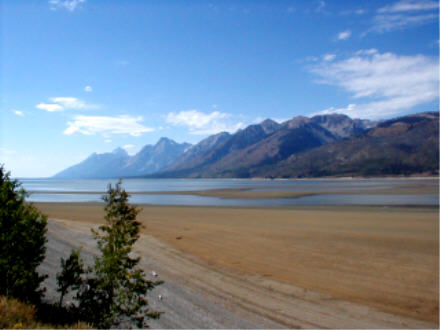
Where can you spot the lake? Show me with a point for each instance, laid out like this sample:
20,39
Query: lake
46,190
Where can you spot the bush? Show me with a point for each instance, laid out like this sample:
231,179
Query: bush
15,314
22,242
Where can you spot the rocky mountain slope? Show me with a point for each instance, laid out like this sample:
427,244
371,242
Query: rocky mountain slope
325,145
267,143
402,146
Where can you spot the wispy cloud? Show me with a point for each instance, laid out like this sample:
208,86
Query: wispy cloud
403,14
200,123
106,125
409,5
64,102
386,83
356,12
51,107
72,103
128,146
18,113
344,35
69,5
88,89
328,57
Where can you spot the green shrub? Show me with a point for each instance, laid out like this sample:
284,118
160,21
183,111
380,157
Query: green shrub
22,242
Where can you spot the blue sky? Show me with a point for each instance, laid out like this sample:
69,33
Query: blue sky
79,76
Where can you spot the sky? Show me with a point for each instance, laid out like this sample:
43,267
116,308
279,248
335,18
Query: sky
84,76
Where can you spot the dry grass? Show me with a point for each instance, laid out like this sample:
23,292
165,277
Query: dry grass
386,258
18,315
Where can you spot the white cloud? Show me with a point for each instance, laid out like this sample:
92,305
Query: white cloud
128,146
61,103
387,83
409,5
356,12
329,57
51,107
281,120
72,103
403,14
88,89
106,125
385,23
370,51
200,123
69,5
107,141
258,120
344,35
18,113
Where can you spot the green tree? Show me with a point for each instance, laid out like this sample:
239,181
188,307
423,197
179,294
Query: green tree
115,288
70,276
22,242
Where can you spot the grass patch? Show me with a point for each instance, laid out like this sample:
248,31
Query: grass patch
15,314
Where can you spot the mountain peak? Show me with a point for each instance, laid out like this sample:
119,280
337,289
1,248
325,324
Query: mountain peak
120,151
165,139
298,121
270,126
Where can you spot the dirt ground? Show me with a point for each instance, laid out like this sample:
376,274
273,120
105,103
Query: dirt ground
357,261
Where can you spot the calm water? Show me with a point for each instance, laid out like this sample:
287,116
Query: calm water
43,190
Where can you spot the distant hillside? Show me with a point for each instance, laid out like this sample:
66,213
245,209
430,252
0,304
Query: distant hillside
325,145
154,158
401,146
118,163
267,143
106,165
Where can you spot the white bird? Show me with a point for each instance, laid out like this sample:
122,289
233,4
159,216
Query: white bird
154,273
159,297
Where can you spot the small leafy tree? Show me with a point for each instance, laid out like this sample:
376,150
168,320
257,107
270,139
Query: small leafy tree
70,276
22,242
114,289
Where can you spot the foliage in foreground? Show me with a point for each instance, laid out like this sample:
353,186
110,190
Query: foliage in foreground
114,289
18,315
22,242
109,293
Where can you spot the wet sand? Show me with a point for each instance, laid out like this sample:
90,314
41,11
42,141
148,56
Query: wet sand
385,258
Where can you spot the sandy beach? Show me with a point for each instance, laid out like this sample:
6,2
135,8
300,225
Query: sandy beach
375,259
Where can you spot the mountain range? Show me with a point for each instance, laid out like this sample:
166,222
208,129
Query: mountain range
118,163
324,145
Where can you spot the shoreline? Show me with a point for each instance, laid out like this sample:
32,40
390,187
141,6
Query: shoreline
261,192
326,178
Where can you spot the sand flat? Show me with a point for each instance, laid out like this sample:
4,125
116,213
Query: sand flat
385,258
